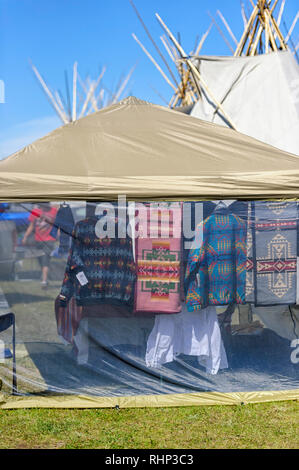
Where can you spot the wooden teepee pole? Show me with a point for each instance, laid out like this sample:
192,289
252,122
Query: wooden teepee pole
74,111
280,36
195,71
257,38
262,21
167,48
153,42
252,36
266,27
292,27
280,12
221,32
203,38
246,32
123,85
270,33
60,113
154,62
227,27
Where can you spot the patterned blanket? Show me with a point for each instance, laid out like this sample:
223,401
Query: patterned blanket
158,260
272,253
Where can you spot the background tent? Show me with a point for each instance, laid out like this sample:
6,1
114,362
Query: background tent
263,34
146,151
259,93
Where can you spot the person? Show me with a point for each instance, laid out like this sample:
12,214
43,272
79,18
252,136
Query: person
41,221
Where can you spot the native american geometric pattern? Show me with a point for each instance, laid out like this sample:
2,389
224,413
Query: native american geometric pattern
216,270
278,208
108,265
272,254
159,270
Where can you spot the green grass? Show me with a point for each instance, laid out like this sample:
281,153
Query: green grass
270,425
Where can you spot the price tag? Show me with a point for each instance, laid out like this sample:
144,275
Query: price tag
82,278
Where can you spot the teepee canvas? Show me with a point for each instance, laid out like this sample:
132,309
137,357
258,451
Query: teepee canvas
260,94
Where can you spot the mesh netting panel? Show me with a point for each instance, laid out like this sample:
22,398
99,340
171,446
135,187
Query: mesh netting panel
124,298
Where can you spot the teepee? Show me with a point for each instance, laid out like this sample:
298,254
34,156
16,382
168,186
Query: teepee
177,74
86,96
260,94
259,85
255,90
262,34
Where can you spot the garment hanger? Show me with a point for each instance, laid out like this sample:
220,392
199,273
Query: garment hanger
223,204
228,202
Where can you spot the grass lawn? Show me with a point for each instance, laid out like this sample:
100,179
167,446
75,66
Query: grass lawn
269,425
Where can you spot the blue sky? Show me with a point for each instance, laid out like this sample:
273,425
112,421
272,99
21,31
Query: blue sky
55,33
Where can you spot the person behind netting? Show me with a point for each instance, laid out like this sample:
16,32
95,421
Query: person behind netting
41,221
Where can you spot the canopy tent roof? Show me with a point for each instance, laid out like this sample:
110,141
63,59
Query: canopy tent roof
146,151
260,94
